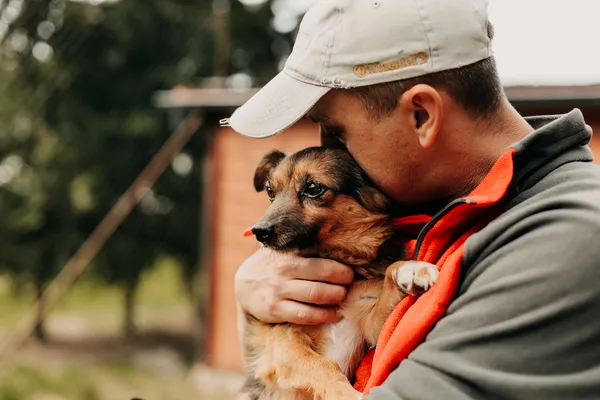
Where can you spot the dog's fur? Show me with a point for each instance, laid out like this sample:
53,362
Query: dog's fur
323,205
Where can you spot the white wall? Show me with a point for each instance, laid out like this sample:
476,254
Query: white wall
546,42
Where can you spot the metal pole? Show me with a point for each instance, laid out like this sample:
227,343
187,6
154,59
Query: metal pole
221,14
94,243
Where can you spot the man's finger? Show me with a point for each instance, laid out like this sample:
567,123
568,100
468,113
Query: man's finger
322,270
313,292
304,314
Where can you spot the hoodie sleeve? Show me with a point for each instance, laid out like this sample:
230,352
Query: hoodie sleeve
526,321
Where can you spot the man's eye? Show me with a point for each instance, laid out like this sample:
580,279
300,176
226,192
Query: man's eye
329,130
333,136
313,190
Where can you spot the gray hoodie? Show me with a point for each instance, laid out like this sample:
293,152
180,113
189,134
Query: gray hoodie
525,320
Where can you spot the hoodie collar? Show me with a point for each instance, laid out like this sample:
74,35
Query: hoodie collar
556,140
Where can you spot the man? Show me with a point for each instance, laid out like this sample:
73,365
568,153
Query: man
410,88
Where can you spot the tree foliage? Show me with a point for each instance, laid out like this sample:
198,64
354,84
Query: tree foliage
77,125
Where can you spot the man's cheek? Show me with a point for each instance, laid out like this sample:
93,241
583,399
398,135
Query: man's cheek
376,166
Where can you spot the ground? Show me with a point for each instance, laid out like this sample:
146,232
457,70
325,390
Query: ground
86,359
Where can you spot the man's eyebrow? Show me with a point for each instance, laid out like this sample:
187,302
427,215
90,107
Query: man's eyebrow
318,118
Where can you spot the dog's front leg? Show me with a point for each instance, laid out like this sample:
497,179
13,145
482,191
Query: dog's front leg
401,278
299,369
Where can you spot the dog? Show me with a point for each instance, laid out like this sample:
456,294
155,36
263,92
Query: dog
323,205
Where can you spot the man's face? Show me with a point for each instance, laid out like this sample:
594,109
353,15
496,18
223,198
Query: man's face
386,148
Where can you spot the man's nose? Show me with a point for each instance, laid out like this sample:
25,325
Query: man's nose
263,232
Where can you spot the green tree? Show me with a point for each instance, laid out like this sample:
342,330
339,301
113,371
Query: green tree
77,125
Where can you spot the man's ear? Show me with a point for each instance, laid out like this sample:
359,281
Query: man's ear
264,168
424,107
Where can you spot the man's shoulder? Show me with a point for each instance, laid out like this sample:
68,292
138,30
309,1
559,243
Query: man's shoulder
567,193
528,296
578,180
555,221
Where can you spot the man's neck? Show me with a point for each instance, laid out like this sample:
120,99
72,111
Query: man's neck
487,141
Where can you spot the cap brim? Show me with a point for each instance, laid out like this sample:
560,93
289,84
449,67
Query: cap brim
276,107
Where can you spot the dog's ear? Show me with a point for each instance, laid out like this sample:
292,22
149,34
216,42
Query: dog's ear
373,200
264,168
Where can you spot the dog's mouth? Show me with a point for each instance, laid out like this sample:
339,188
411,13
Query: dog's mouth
294,244
291,242
282,239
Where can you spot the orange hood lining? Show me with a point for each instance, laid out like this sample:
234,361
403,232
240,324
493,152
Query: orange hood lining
413,318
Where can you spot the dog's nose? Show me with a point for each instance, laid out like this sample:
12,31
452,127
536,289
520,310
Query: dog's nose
263,232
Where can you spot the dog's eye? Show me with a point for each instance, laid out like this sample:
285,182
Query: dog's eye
313,190
270,192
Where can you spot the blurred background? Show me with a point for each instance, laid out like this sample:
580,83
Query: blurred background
122,201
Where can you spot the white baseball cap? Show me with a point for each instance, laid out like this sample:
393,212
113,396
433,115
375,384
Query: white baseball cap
352,43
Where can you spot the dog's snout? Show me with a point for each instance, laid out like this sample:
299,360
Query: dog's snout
264,232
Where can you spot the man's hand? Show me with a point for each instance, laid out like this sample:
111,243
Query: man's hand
278,288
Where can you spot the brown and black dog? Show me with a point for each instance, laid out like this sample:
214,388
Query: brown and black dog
323,205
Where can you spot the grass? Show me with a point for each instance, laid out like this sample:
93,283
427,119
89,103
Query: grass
90,362
69,381
29,382
99,307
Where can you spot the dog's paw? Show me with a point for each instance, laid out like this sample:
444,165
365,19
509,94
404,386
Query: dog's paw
415,277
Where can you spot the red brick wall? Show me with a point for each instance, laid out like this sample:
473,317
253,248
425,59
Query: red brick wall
595,143
237,207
